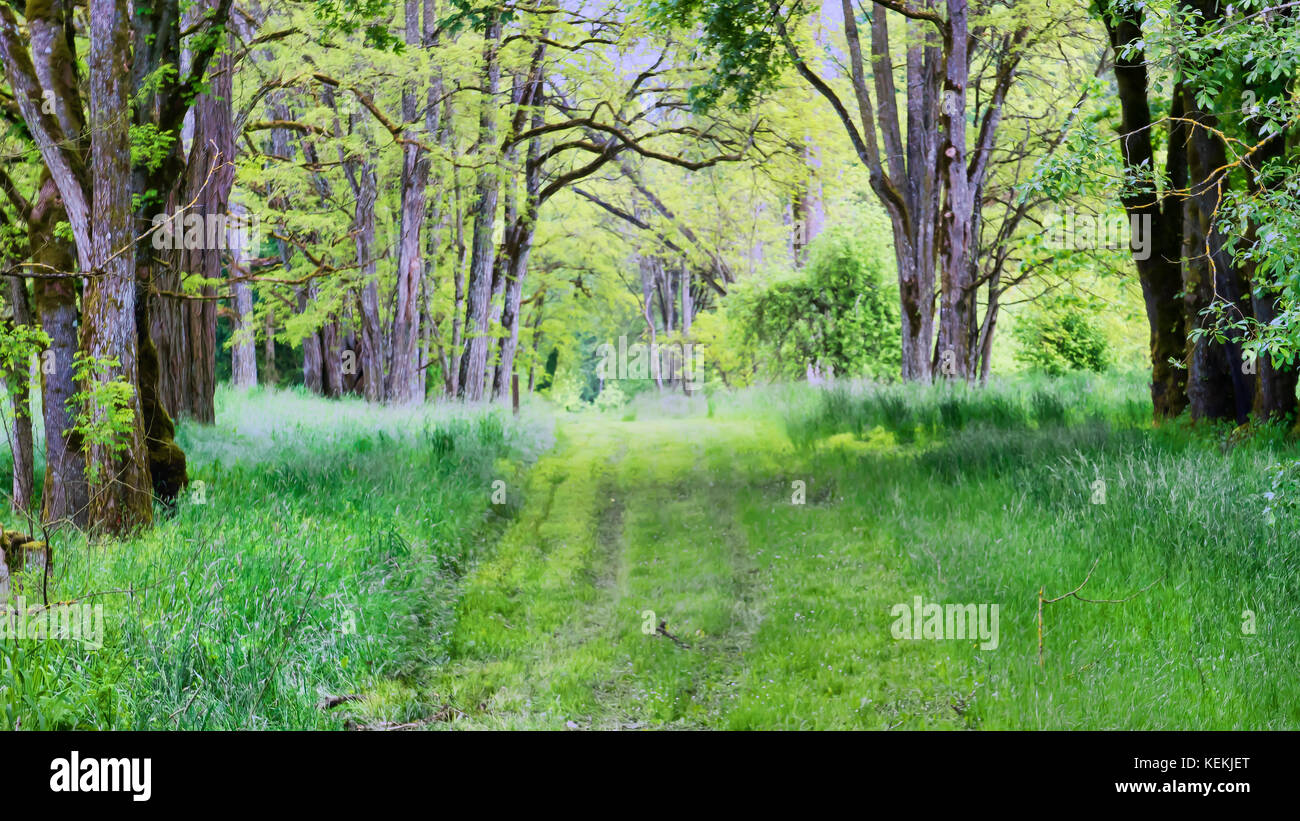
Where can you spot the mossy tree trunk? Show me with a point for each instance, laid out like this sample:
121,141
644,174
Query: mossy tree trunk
64,492
1159,271
185,330
120,489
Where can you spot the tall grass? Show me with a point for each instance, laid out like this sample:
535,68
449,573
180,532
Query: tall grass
991,496
915,412
320,555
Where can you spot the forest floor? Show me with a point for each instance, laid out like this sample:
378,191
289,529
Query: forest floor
660,575
732,561
664,572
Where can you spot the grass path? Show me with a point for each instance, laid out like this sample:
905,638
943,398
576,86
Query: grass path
777,612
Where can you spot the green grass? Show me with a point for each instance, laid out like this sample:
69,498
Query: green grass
542,612
956,495
324,558
990,510
687,522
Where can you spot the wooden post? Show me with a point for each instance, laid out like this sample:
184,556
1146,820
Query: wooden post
1040,627
514,392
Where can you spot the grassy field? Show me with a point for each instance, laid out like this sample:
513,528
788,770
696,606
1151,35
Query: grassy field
780,613
994,496
323,557
661,566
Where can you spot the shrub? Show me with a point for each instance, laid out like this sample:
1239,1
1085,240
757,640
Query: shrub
1061,337
837,314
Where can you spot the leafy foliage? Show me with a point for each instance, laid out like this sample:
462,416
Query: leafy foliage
102,407
739,32
838,316
1058,336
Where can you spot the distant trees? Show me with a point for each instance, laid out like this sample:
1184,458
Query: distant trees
933,162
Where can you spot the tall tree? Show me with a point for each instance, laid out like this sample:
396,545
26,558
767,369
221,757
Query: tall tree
404,373
184,328
473,363
120,489
1156,206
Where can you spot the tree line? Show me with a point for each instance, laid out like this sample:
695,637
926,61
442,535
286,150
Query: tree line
434,197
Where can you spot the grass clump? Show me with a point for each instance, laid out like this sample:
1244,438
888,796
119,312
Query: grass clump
318,551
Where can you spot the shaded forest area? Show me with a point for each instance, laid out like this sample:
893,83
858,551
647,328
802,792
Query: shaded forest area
608,364
450,199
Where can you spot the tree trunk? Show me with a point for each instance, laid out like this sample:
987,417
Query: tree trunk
312,361
331,359
1159,271
185,330
537,340
518,242
64,493
270,375
243,348
1275,394
370,356
957,296
403,379
1217,386
473,364
18,385
120,498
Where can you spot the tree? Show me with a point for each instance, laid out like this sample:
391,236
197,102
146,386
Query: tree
931,183
120,486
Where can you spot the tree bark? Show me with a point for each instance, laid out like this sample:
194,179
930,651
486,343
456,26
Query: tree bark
1217,386
243,350
18,386
185,330
957,296
1275,394
1159,271
370,357
120,498
270,375
518,241
403,378
473,364
312,361
64,492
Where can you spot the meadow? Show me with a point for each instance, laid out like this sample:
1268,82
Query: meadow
729,560
318,552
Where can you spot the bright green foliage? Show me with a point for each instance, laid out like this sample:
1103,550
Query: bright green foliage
1060,336
838,314
102,407
749,50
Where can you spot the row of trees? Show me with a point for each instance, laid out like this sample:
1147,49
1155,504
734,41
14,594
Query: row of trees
1216,80
429,198
360,182
506,120
1228,106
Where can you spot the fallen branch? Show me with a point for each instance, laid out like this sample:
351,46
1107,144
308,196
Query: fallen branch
1075,594
663,631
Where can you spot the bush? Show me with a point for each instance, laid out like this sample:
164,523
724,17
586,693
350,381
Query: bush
1061,337
838,314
